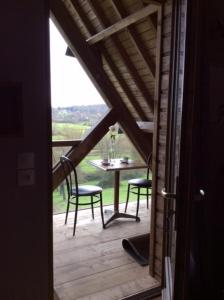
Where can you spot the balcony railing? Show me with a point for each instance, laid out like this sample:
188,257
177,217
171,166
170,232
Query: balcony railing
62,148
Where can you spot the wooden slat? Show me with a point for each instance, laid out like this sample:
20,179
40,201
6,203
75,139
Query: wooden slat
66,143
155,142
128,62
111,64
123,23
135,38
83,17
91,65
94,264
87,144
125,87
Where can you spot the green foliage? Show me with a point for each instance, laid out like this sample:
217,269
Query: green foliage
74,123
106,180
68,131
59,203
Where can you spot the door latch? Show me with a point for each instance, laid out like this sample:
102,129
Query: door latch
167,195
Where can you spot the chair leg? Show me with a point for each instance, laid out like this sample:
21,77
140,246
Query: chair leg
92,207
101,210
76,212
147,199
67,209
128,192
138,198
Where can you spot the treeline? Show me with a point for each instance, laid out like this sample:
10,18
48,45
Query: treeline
82,114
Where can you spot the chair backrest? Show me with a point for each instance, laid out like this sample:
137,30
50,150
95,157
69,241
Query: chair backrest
70,173
149,164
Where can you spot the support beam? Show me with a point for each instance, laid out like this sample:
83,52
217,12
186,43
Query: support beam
133,34
111,64
85,20
78,153
123,23
140,111
123,53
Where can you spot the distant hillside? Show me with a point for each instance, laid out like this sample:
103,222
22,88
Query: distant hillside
84,114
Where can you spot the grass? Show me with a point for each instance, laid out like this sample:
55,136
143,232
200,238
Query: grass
63,131
108,197
64,126
88,174
91,176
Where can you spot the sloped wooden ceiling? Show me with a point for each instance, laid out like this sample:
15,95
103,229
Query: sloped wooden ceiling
115,41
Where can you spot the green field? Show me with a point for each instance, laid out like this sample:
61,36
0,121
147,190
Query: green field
88,174
67,131
108,194
92,176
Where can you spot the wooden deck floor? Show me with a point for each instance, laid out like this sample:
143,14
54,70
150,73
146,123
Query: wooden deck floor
93,265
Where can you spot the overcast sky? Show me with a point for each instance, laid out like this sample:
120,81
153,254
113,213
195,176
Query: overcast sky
69,83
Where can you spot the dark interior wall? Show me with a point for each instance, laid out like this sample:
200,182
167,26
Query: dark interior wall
208,221
25,210
213,160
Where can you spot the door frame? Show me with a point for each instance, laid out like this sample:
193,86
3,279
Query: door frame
174,133
188,148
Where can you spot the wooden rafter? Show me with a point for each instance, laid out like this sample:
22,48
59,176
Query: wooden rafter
123,23
111,64
125,86
86,145
87,58
128,63
151,19
133,34
83,17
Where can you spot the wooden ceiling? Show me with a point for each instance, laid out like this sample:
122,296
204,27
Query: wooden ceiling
116,41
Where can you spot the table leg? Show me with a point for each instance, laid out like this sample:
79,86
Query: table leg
116,190
117,214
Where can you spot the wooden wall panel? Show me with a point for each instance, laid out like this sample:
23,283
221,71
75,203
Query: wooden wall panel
159,146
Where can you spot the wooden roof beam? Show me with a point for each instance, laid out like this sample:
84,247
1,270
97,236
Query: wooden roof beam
128,63
87,58
111,64
117,5
125,86
85,146
83,17
123,23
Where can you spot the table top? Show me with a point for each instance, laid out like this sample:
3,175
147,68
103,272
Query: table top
117,165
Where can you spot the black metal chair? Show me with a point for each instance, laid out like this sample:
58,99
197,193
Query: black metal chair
76,191
136,185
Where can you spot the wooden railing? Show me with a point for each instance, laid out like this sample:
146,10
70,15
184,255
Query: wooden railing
66,143
65,146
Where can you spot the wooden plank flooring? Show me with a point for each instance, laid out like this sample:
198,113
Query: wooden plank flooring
93,265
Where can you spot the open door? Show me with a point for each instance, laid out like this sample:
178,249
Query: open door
171,192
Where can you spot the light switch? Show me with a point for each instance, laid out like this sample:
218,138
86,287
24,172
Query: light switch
26,177
25,161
